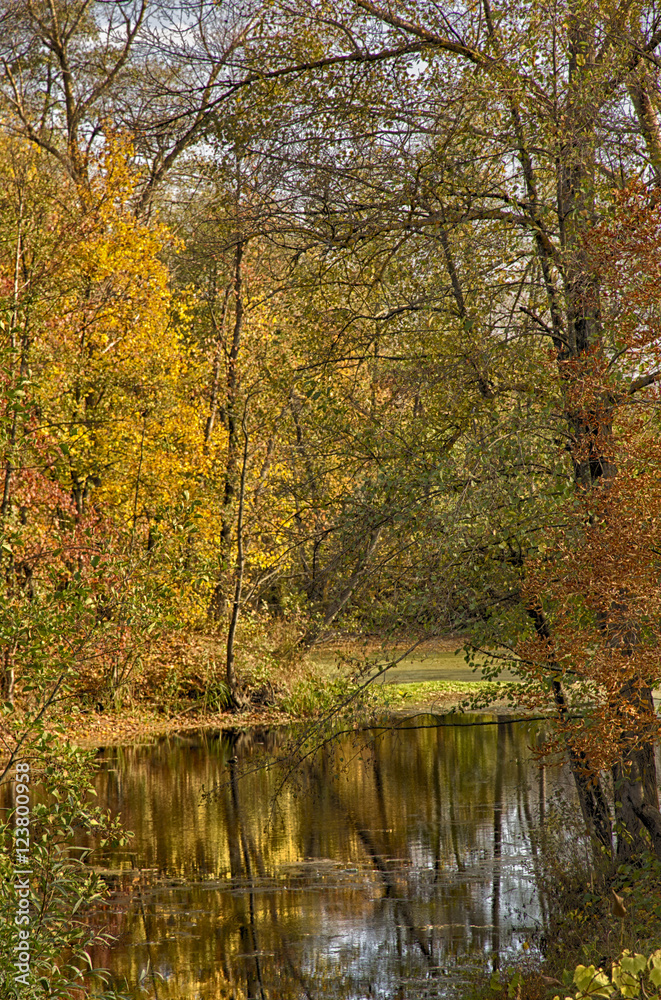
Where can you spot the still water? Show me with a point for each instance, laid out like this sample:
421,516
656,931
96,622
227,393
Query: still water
389,873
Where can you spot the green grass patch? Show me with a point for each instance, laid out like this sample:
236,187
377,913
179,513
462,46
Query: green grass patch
428,692
317,694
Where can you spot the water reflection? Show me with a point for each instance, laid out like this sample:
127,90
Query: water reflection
379,881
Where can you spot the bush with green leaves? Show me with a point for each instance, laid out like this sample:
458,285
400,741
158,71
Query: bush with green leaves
633,975
63,889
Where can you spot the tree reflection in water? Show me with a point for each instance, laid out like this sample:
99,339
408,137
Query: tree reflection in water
383,880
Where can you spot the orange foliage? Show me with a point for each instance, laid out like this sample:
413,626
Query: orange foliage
597,588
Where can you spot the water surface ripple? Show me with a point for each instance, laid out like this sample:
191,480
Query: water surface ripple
388,878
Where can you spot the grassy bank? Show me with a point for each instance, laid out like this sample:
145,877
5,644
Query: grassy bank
309,698
182,687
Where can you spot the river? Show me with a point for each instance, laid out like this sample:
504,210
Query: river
390,868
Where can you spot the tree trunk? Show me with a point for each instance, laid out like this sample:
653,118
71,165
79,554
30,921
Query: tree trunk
219,599
590,420
237,701
591,796
7,676
637,814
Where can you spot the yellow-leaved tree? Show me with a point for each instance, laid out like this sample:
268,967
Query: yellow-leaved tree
100,439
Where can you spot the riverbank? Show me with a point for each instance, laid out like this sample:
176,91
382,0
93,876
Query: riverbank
87,728
432,677
182,689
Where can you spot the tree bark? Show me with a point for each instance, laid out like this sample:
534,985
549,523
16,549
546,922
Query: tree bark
236,701
218,603
591,796
637,814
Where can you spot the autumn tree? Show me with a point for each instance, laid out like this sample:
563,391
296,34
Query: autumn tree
596,610
93,392
50,545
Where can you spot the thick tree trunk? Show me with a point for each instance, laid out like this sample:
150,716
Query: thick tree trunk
637,814
591,796
589,420
642,89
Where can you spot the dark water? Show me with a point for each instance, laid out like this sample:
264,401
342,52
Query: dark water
391,878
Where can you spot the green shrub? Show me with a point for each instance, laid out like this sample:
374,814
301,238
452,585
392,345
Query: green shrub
632,975
63,891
